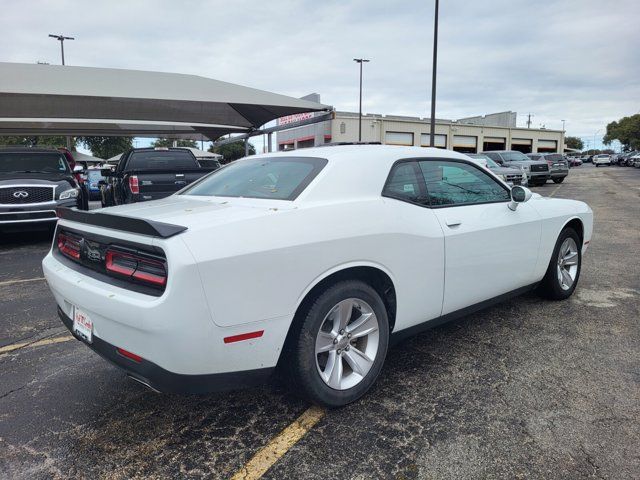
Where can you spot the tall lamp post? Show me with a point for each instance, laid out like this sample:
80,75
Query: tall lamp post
61,39
594,141
432,137
360,61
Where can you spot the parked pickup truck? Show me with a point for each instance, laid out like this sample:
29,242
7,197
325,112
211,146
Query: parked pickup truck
144,174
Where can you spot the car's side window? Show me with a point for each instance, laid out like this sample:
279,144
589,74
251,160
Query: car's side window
456,183
404,183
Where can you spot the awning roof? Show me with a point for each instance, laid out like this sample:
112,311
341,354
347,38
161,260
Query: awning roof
40,99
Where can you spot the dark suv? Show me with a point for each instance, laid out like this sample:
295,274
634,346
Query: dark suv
33,183
557,163
537,172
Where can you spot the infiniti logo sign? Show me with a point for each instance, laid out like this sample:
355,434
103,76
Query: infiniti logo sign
20,194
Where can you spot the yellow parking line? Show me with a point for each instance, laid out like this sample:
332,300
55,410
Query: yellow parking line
554,192
281,444
27,280
39,343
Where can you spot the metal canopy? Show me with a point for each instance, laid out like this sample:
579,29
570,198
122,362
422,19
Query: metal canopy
62,100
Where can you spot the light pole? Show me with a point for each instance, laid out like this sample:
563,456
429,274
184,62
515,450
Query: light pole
61,39
432,136
594,141
360,61
562,125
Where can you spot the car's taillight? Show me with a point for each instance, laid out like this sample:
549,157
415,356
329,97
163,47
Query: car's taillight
134,186
69,246
136,267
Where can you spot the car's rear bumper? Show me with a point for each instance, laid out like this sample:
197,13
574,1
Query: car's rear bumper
559,173
161,380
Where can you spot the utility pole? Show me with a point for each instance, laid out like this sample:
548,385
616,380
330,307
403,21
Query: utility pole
432,136
61,38
360,61
562,125
529,120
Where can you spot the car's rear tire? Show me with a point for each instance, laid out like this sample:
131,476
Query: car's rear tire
339,346
558,180
563,272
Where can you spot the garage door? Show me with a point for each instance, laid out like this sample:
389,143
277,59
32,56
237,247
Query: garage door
398,138
494,143
523,145
465,143
548,146
439,140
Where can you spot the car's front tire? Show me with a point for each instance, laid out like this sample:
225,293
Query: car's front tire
338,349
563,272
558,180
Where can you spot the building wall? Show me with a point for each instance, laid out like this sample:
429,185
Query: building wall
415,131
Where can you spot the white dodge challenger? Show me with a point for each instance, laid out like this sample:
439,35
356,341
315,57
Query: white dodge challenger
312,261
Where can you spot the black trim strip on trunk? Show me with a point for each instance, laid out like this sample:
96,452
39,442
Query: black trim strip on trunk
122,223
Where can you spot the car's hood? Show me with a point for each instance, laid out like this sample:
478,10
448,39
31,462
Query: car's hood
20,178
506,171
195,212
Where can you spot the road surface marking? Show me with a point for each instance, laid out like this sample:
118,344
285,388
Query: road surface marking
38,343
27,280
281,444
554,192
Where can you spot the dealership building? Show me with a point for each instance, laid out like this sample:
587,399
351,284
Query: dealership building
468,135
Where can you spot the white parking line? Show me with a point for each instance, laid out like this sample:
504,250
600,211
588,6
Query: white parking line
26,280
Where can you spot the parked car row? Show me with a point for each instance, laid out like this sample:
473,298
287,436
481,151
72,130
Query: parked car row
628,159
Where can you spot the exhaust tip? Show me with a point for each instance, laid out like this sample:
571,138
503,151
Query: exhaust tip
143,382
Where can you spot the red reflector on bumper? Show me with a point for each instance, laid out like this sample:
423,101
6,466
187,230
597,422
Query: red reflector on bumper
129,355
243,336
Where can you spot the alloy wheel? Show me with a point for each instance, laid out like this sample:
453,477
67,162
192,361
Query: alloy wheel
567,268
347,343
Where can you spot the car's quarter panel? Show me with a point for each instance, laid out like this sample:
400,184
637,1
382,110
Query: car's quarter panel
555,213
490,250
175,330
284,253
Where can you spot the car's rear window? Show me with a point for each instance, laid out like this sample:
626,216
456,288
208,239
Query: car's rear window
94,174
37,162
161,160
275,178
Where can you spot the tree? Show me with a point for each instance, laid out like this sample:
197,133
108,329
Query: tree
45,141
168,142
106,147
574,142
232,151
626,131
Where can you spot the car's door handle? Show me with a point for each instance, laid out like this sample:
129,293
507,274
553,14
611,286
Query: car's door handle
453,222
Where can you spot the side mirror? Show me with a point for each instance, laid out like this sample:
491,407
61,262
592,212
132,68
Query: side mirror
105,172
519,195
78,169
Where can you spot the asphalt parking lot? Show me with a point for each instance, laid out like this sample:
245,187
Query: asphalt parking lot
527,389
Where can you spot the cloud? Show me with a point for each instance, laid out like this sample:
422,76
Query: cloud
575,60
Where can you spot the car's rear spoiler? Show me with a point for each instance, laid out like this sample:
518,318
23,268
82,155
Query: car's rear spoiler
118,222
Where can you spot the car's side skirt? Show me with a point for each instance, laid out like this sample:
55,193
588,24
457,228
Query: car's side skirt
400,335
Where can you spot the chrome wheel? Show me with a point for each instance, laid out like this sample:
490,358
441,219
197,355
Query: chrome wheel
567,268
347,343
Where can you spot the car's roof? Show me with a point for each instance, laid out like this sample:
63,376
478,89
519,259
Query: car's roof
22,149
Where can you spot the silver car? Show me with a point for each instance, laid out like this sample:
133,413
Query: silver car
538,172
558,164
511,175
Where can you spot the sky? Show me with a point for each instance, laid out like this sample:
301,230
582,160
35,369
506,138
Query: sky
572,60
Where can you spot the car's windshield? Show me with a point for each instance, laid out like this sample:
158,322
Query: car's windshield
280,178
94,175
161,160
515,157
492,164
37,162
